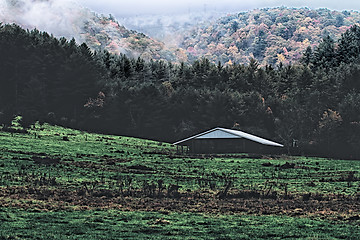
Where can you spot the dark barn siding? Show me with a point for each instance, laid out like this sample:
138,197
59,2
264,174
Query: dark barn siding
229,146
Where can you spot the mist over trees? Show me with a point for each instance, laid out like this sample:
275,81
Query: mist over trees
314,103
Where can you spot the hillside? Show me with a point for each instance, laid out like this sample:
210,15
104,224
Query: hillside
269,35
70,20
315,102
100,32
170,28
58,183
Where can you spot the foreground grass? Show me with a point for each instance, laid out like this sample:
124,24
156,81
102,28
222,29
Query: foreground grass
59,183
112,224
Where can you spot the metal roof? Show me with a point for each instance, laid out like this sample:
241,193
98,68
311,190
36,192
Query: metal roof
221,133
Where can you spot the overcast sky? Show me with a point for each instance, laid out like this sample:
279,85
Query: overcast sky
121,8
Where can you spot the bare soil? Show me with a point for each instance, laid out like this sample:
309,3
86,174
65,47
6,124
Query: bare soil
331,207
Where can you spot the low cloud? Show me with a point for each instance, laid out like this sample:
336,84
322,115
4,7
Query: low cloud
59,17
140,7
66,17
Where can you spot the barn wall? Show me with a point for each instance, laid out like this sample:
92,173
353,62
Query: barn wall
229,146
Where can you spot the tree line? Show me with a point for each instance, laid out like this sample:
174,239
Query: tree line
312,106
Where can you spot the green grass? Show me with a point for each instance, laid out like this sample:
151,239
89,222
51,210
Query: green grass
19,224
114,162
112,156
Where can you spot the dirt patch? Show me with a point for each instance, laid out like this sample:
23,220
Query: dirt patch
157,153
141,168
108,164
332,207
45,160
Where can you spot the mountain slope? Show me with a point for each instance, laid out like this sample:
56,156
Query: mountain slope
269,35
70,20
101,32
169,28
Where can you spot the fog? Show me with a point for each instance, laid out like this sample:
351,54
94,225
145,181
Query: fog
140,7
66,17
60,17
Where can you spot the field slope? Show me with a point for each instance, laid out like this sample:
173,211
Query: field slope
59,183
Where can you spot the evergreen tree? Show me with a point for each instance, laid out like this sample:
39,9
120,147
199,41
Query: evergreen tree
349,45
324,55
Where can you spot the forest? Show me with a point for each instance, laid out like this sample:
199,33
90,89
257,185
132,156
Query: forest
311,106
270,35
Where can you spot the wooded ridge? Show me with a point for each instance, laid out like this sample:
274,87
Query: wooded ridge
315,101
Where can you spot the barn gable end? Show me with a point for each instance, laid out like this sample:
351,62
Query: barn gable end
226,141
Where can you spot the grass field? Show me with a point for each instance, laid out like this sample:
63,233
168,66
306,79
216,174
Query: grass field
113,224
59,183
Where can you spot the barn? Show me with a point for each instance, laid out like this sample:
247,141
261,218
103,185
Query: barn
222,140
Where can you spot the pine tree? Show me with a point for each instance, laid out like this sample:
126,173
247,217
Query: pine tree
349,45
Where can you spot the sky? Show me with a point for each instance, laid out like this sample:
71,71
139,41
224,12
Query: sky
124,8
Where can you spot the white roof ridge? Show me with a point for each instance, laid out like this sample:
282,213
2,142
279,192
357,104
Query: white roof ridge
195,136
238,133
253,137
